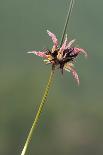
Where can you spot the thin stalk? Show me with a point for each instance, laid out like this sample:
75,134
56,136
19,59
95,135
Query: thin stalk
67,21
38,113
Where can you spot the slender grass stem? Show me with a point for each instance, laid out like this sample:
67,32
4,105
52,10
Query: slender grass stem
38,113
67,20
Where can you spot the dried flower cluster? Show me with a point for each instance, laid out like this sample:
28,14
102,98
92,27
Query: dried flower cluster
61,56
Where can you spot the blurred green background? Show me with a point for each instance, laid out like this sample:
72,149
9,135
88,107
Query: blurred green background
72,120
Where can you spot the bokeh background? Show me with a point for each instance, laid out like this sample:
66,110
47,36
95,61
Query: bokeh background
72,120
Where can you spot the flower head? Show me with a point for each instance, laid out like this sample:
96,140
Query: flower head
61,56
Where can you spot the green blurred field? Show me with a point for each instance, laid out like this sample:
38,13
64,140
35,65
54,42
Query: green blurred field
72,121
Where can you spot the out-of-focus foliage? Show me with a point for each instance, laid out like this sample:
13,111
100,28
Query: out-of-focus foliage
72,120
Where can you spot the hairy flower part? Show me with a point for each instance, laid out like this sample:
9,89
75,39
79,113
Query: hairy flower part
70,43
61,56
54,39
69,67
40,54
80,50
64,44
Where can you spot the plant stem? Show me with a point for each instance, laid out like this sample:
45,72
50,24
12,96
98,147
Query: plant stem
36,119
67,20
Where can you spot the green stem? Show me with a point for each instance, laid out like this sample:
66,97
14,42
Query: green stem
36,119
67,20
